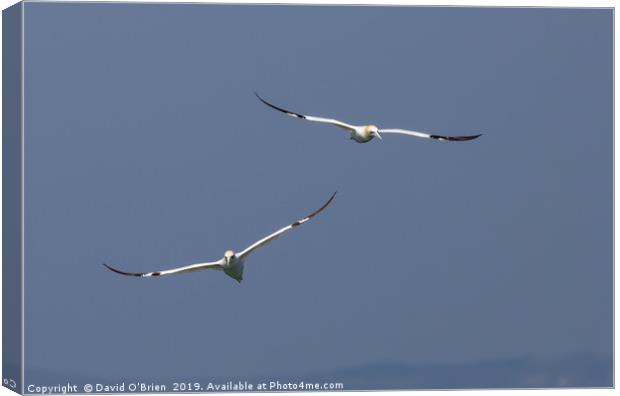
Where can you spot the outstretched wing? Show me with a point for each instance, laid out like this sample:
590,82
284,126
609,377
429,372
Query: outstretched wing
179,270
308,117
430,136
282,230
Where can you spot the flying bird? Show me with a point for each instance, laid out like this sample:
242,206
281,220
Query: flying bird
365,133
232,263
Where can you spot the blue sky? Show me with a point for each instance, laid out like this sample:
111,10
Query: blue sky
146,149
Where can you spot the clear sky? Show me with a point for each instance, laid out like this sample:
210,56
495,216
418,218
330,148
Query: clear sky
146,149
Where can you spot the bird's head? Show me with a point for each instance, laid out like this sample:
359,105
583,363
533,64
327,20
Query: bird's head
373,130
228,255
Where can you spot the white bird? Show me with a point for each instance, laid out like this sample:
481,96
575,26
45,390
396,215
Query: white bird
365,133
232,263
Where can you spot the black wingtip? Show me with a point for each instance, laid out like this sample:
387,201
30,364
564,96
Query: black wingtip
471,137
122,272
291,113
267,103
456,138
326,204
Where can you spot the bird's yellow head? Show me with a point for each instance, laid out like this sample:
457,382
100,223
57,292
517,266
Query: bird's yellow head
228,255
373,131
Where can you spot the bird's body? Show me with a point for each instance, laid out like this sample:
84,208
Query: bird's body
232,264
365,133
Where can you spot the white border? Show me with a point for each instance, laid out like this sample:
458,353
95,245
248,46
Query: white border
476,3
436,3
23,239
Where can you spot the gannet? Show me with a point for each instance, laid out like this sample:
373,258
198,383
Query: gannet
365,133
232,263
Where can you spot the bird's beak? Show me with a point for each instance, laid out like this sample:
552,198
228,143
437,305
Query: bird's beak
378,135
